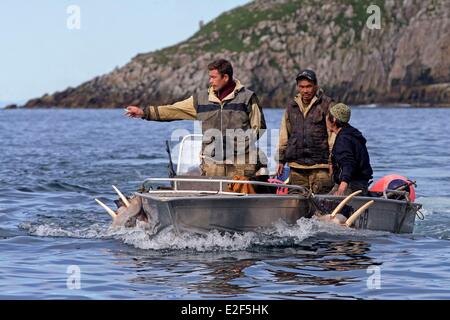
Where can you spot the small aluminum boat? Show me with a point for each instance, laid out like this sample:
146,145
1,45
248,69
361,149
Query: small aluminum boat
191,208
193,203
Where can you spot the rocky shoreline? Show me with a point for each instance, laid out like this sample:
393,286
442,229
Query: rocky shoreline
407,61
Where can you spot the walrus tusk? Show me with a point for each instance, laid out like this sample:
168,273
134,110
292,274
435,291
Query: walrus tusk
108,209
358,212
124,199
343,203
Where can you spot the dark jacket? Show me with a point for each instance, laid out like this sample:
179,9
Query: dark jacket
308,142
350,157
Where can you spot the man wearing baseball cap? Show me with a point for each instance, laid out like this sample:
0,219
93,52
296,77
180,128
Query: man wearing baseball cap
350,158
305,143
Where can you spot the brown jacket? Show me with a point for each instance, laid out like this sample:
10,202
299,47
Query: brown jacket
238,110
286,131
186,109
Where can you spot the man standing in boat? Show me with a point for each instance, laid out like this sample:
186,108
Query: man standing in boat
232,121
350,158
305,142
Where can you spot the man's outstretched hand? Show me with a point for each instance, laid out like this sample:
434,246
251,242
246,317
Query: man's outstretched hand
134,112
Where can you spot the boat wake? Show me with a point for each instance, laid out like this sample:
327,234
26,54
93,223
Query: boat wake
436,214
281,235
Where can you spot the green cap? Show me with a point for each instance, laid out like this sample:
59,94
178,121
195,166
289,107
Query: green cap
341,112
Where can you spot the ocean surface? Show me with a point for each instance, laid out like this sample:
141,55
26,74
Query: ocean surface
55,241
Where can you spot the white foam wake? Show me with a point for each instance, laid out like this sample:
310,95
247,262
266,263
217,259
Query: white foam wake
280,235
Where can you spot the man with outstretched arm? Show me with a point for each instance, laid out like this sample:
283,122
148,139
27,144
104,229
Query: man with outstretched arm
232,121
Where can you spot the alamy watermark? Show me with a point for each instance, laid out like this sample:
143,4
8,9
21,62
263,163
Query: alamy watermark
374,20
73,21
236,146
74,279
374,280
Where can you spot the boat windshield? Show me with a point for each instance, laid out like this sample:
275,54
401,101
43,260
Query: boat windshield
189,155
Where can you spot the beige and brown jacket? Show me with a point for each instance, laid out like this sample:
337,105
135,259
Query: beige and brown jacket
239,110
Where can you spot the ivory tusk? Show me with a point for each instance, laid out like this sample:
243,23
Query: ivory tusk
124,199
108,209
358,212
344,202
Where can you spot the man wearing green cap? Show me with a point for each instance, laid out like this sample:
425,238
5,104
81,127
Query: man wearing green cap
305,143
349,156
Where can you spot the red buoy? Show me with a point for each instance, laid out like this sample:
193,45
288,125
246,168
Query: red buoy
395,182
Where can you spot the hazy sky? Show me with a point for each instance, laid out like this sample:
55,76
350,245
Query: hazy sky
40,54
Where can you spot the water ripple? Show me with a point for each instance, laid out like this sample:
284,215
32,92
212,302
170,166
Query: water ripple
49,221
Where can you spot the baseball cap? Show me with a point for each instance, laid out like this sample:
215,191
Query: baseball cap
307,74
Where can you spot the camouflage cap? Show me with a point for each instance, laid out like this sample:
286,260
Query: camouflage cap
341,112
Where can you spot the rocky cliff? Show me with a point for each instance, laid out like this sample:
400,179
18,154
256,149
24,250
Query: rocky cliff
268,41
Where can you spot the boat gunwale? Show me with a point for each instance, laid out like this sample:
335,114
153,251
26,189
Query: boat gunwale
213,196
226,181
220,194
159,195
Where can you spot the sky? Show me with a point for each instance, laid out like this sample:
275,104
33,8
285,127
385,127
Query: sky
49,45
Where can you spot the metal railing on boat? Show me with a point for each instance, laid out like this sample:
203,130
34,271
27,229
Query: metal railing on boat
221,182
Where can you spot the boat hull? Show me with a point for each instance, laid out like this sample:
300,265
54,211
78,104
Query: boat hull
384,215
196,212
